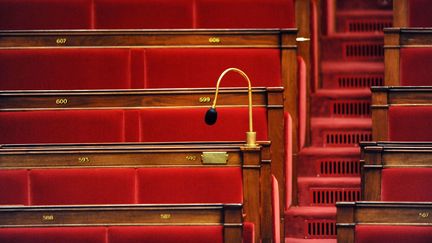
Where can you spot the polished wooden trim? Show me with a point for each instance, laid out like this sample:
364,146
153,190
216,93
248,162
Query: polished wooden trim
400,13
256,175
227,215
381,155
350,214
163,38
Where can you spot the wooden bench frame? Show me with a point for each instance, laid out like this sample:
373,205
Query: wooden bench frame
386,96
270,98
394,40
227,215
350,214
380,155
253,161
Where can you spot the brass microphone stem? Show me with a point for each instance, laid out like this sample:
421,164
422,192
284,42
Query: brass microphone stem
251,135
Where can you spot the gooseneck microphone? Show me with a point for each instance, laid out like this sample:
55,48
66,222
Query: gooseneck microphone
211,114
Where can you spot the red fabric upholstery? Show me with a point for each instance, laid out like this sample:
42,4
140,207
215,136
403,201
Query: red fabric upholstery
166,234
302,101
419,13
245,14
53,234
410,123
82,186
45,14
276,210
183,124
248,232
393,234
188,68
406,184
138,14
68,126
415,65
24,69
288,158
13,187
190,185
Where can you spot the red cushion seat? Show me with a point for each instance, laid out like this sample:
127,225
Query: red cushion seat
190,185
53,234
187,124
45,14
419,13
13,187
82,186
410,123
392,233
66,126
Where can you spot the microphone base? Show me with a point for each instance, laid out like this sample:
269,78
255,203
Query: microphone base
251,140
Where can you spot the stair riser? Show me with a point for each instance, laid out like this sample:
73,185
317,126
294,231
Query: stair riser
354,49
341,108
310,228
365,5
340,138
327,196
363,24
329,166
352,80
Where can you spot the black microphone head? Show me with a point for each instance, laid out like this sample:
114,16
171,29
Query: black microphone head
211,116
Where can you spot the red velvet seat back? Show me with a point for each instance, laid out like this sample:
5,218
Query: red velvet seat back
406,184
410,123
45,14
139,14
57,69
393,234
185,68
187,124
53,234
245,14
415,66
82,186
13,187
166,234
66,126
190,185
419,13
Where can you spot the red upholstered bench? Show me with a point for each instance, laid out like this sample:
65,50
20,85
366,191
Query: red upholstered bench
14,187
410,123
65,126
138,14
189,185
45,14
392,233
82,186
58,69
406,184
245,14
415,65
54,234
183,124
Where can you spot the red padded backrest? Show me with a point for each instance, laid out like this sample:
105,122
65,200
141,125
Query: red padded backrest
27,69
393,234
406,184
139,14
248,232
166,234
415,65
245,14
53,234
13,187
66,126
190,185
419,13
410,123
186,68
45,14
82,186
276,210
187,124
